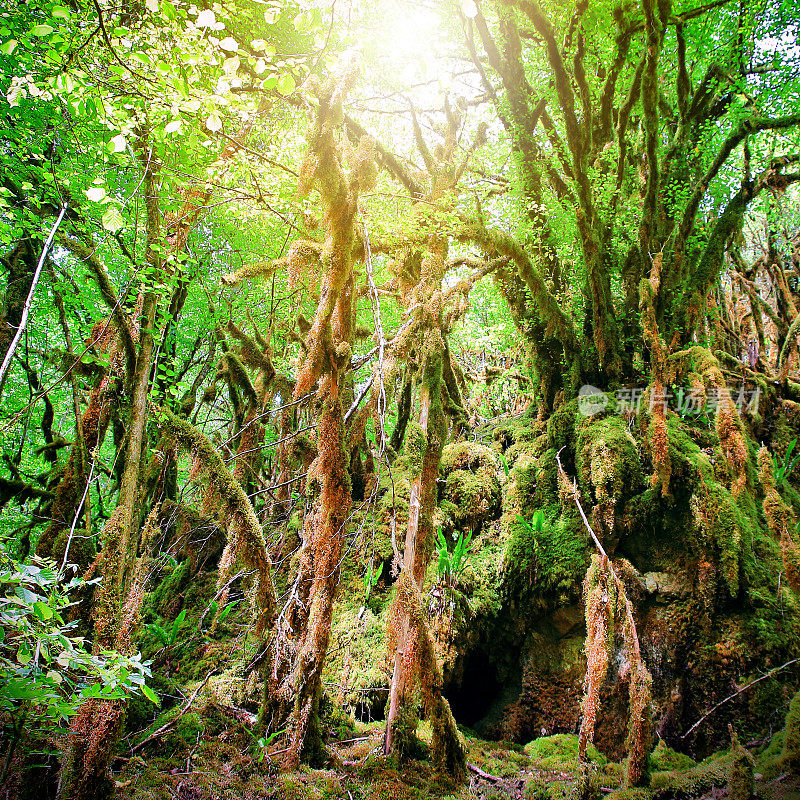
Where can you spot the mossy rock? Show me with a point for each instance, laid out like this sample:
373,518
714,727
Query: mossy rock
468,455
783,753
607,460
561,426
553,559
630,793
512,431
559,753
663,758
475,496
538,789
695,781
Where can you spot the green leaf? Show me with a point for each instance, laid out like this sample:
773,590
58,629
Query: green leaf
112,220
24,654
7,48
96,194
43,611
41,30
151,695
286,84
59,12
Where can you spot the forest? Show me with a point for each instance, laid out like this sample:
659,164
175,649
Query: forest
400,399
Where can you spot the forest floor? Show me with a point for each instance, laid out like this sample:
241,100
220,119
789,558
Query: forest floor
209,753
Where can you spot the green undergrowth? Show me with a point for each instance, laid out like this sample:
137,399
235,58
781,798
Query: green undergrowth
209,752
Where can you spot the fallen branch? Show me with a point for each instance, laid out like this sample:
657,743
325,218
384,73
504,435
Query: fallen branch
738,692
164,728
481,774
487,776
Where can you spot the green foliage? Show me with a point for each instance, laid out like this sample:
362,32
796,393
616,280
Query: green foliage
260,744
783,466
546,553
169,637
560,752
370,580
451,565
46,671
214,613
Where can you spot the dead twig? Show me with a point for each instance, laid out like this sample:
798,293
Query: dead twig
164,728
738,692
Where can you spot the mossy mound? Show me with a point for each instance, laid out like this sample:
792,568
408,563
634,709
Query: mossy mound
549,559
357,670
713,772
783,752
607,459
559,753
664,758
472,488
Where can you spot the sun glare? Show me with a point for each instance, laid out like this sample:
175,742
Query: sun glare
409,39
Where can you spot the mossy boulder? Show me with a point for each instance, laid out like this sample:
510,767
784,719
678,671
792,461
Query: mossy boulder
713,772
607,459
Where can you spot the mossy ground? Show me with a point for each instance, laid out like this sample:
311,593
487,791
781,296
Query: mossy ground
222,761
704,577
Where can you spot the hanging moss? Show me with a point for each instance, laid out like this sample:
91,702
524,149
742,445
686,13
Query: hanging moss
720,524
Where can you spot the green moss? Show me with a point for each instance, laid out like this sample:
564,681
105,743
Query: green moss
769,756
468,455
407,745
170,586
695,781
664,758
414,447
741,784
783,753
607,460
630,793
482,580
553,559
561,426
559,753
720,523
547,790
791,741
356,668
513,431
474,495
690,464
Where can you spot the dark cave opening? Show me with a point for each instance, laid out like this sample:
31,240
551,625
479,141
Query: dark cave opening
476,693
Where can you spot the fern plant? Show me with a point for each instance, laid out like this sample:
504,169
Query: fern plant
784,466
261,743
451,565
168,637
